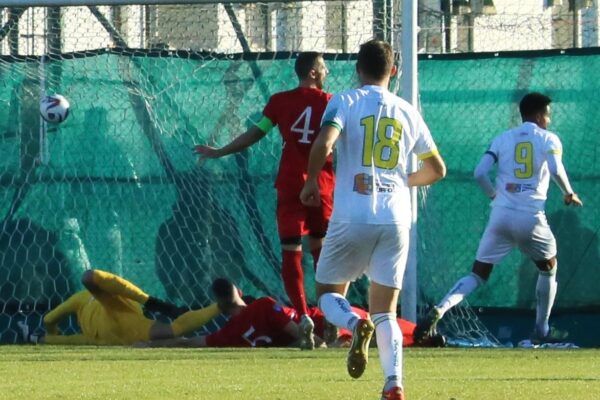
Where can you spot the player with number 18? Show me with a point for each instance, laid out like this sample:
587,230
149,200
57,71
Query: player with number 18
297,113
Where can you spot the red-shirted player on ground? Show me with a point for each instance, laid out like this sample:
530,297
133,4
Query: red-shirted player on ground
262,323
265,323
297,113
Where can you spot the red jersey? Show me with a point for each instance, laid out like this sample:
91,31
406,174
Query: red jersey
260,324
298,114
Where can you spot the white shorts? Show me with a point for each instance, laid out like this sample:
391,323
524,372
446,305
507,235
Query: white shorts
351,250
507,229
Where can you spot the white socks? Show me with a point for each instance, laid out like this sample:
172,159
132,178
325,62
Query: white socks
545,292
389,342
464,287
338,311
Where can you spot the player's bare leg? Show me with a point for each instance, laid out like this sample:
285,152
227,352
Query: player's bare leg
315,244
383,301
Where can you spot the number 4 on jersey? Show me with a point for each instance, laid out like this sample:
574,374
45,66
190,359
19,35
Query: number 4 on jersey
302,125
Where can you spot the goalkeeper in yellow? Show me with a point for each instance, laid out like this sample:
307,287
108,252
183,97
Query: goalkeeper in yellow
109,312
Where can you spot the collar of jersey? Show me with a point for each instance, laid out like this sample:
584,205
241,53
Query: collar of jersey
375,88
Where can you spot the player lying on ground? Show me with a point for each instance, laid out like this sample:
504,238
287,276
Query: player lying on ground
265,323
109,312
262,323
526,157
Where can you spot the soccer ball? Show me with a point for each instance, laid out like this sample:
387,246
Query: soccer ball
54,108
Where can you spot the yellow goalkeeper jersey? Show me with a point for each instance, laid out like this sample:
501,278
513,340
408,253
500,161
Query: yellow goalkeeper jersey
104,319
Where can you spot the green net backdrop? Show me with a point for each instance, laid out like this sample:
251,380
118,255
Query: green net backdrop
116,186
467,101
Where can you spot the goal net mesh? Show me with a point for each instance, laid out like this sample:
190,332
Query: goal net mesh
117,187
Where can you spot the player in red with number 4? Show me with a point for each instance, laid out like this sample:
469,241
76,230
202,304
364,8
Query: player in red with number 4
297,113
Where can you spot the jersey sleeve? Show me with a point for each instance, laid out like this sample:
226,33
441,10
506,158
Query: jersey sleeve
265,124
425,146
270,111
553,145
494,149
335,113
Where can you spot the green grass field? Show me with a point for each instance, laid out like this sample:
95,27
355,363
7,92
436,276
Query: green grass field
56,372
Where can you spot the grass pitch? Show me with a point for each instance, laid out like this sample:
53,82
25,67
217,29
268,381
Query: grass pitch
58,372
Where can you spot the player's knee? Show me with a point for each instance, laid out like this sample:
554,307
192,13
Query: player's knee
87,279
482,271
547,266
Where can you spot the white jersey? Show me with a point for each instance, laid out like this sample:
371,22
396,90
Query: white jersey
379,131
523,177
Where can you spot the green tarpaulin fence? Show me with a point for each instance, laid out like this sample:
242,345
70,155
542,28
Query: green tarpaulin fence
117,186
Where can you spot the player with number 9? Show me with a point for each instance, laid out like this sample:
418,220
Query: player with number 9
526,157
297,113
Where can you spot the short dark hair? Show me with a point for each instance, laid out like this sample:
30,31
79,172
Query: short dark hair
375,58
533,103
248,299
305,62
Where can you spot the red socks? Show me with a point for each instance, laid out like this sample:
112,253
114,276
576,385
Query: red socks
293,279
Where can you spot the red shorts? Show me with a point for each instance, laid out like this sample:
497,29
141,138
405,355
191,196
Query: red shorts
294,219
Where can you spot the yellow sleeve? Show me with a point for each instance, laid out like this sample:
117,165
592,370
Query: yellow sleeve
69,306
429,154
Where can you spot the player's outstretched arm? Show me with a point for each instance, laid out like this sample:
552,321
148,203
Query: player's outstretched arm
481,175
245,140
321,148
559,176
432,170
